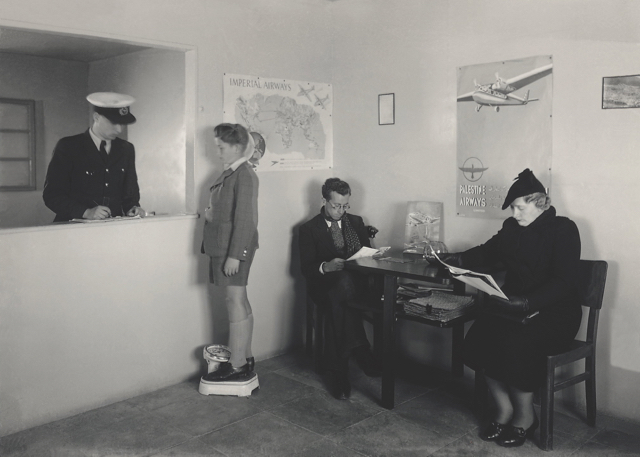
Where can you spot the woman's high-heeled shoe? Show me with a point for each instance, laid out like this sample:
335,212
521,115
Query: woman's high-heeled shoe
516,436
251,361
493,431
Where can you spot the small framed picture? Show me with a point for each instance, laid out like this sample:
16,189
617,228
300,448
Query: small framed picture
621,92
386,109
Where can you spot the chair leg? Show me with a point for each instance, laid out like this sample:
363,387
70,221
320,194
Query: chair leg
590,387
546,410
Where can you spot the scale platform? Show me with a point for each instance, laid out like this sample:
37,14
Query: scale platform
239,388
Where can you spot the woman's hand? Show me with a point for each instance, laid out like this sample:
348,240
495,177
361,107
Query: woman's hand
451,258
515,304
231,266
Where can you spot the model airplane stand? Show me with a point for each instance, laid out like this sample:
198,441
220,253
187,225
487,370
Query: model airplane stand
239,387
215,354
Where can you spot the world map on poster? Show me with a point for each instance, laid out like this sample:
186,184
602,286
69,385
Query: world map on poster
291,120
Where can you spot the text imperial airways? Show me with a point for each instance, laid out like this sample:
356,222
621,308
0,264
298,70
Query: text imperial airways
254,83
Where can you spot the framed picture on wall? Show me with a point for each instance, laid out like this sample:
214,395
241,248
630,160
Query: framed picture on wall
621,92
386,109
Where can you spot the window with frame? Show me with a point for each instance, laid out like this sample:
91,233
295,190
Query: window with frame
17,145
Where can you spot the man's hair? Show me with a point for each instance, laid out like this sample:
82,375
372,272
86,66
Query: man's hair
232,134
335,185
541,200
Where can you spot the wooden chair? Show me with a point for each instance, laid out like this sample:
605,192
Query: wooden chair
594,276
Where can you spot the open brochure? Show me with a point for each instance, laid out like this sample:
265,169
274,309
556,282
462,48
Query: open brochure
368,252
480,281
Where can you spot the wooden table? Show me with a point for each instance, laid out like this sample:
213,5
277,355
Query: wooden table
415,268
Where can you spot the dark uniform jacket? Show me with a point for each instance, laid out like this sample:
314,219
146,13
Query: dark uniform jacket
231,220
542,263
79,179
316,246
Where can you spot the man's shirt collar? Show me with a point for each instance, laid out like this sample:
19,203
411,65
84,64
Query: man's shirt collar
97,141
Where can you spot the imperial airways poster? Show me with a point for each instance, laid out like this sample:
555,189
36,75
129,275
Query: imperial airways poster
291,121
504,126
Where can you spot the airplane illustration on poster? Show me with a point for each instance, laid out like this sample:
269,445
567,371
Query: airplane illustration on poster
500,93
305,92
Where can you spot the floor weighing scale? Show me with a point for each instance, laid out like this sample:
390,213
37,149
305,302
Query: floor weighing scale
215,354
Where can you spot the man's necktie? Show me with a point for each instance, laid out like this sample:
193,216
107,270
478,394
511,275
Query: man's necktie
336,234
103,151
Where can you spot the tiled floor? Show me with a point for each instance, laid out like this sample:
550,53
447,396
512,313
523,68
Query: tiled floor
292,415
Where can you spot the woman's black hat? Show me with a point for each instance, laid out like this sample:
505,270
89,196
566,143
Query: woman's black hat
525,184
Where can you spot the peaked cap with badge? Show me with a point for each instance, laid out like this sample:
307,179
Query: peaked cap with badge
113,106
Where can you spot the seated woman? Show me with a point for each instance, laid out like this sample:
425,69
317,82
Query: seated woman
540,253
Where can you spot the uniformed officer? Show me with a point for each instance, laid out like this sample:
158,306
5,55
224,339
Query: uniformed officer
93,175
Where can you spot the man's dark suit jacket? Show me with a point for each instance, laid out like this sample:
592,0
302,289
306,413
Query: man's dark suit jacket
78,178
316,246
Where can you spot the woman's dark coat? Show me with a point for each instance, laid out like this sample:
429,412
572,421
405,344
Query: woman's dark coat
541,262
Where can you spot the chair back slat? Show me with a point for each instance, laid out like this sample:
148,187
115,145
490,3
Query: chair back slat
593,277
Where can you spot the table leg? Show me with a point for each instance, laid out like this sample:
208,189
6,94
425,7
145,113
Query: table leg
388,341
457,365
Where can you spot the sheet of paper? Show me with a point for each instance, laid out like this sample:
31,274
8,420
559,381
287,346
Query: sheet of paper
480,281
109,219
363,252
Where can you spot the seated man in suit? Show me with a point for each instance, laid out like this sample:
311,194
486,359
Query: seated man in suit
325,242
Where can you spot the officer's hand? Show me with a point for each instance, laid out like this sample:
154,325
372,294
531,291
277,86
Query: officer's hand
231,266
97,213
336,264
136,211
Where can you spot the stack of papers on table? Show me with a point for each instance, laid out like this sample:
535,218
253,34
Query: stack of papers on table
440,306
413,290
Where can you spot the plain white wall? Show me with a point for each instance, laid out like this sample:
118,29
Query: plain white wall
413,51
91,315
59,88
